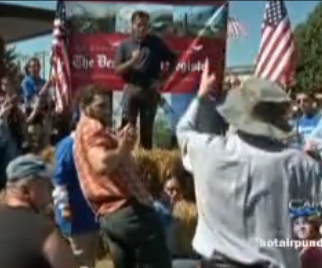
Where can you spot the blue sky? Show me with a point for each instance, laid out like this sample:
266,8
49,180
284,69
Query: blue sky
240,51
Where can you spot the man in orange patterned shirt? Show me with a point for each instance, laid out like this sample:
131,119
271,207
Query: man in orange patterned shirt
110,182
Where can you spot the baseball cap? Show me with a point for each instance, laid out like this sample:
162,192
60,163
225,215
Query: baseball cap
27,166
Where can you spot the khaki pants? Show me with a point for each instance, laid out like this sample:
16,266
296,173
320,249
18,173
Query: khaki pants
85,247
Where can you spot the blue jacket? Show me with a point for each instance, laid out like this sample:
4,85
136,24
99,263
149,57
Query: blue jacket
83,218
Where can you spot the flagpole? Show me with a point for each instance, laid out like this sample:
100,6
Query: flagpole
50,66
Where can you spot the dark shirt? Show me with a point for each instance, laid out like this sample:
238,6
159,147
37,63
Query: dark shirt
23,233
16,122
147,71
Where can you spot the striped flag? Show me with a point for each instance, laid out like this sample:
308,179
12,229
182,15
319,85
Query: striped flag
236,29
275,60
60,60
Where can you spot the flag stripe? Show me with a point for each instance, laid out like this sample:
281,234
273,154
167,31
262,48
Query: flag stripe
235,28
286,58
272,51
60,60
280,50
270,45
277,44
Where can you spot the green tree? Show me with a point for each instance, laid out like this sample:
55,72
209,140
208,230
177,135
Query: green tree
309,45
162,131
10,62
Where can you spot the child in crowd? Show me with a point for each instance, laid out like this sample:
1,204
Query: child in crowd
306,228
174,201
149,171
178,186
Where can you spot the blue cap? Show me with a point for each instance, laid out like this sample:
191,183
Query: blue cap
26,166
304,212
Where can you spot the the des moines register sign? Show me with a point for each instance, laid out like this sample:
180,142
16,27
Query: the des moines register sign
195,30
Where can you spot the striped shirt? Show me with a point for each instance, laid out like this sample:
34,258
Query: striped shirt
106,193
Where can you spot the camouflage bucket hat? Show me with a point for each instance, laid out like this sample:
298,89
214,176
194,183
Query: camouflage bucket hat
239,106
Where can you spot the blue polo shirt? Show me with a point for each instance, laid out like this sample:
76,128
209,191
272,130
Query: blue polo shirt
83,218
307,124
304,127
31,87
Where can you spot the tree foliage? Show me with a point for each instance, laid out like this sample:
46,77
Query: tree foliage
162,131
309,45
10,62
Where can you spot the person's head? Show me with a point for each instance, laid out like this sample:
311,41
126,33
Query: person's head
259,108
8,86
318,98
36,134
28,182
306,221
33,67
140,25
96,102
306,228
306,102
177,183
5,84
173,190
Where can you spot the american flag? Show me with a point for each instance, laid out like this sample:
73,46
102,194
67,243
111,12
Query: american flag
236,29
60,60
277,48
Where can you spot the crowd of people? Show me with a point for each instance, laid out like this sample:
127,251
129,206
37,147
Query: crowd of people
248,168
135,216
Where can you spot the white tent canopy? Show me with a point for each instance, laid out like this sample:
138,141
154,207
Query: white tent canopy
18,23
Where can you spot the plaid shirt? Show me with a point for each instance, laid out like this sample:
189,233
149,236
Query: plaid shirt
106,194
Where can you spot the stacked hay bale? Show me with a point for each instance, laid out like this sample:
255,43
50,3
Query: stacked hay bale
156,167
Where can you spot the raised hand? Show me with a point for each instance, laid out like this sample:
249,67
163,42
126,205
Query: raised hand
67,214
127,138
207,81
312,148
136,55
5,109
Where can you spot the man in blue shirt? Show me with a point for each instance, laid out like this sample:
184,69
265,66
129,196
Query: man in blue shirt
32,83
308,119
73,214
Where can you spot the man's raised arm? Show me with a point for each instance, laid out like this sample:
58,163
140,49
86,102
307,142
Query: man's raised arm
201,118
201,122
106,161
